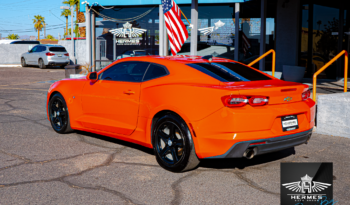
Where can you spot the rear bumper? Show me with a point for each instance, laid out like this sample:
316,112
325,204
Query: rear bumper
223,129
271,145
58,63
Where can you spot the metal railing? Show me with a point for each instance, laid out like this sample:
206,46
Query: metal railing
263,56
345,53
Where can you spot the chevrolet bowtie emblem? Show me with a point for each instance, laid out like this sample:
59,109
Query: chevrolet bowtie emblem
287,99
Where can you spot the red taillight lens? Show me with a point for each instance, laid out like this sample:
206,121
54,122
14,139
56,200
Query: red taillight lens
67,54
240,101
258,101
235,101
305,95
50,54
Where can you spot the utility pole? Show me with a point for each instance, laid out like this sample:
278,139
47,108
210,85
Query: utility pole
44,30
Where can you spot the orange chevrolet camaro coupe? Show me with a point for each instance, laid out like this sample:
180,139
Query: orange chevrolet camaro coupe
186,108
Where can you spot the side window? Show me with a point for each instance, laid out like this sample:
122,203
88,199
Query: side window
43,48
155,71
34,49
39,49
127,71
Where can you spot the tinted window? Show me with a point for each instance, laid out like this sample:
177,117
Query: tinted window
140,53
42,48
155,71
229,72
128,71
35,49
25,42
57,49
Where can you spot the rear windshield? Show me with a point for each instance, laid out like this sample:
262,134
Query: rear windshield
229,72
57,49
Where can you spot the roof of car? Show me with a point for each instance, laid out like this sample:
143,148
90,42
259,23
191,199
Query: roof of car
51,45
185,59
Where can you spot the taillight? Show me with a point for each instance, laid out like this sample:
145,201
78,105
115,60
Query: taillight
67,54
258,101
49,54
235,101
305,95
240,101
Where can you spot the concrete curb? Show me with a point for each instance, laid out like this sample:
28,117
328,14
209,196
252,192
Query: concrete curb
10,65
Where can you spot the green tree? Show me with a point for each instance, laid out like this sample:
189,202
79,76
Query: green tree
75,3
13,36
38,22
66,13
50,37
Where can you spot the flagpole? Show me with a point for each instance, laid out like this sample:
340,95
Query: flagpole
185,17
194,19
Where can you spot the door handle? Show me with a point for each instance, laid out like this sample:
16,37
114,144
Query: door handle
129,92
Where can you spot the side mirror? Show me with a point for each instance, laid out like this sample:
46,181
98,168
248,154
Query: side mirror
92,76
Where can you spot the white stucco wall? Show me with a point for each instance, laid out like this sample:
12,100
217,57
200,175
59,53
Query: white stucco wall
333,114
80,49
11,53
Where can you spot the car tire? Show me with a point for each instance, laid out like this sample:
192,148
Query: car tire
173,145
41,64
58,114
23,62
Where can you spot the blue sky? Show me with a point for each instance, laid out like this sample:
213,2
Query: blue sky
17,15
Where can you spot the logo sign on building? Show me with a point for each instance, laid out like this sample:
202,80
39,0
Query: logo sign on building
128,35
306,183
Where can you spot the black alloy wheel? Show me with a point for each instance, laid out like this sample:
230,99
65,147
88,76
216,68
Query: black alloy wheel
58,114
172,144
23,62
42,64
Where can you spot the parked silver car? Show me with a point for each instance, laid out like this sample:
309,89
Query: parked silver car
46,55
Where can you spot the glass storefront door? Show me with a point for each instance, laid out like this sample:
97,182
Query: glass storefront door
321,40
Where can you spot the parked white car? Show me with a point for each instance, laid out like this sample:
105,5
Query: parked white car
46,55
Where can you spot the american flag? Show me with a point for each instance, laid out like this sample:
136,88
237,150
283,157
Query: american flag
177,31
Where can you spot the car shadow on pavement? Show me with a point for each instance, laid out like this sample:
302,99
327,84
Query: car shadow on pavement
229,163
242,163
116,141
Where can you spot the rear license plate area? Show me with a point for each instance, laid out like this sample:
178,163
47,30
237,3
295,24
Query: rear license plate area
289,123
59,55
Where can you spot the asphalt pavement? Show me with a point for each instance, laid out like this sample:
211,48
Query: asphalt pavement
39,166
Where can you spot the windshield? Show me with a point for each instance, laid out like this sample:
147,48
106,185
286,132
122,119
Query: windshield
229,72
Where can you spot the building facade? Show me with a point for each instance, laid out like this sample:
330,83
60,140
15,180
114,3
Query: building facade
236,29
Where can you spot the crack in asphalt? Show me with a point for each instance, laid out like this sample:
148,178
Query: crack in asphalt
65,178
178,194
252,184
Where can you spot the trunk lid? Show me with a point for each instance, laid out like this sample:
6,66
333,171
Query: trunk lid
278,91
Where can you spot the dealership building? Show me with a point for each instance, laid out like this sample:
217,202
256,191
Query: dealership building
304,33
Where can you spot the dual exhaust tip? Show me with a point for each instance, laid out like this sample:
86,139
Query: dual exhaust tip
250,153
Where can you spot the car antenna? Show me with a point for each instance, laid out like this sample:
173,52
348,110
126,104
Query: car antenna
208,57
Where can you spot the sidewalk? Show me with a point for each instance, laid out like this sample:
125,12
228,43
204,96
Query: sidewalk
10,65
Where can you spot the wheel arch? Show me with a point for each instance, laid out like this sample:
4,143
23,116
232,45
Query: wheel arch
163,112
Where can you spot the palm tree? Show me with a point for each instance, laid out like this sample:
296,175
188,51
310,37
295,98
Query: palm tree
75,3
66,13
13,36
38,22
